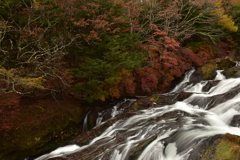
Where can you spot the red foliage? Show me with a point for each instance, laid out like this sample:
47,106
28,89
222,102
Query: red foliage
167,60
9,100
9,105
127,84
99,19
66,5
222,49
203,56
189,56
149,79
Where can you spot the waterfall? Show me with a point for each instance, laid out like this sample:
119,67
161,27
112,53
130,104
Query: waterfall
85,122
184,82
165,132
220,76
115,111
59,152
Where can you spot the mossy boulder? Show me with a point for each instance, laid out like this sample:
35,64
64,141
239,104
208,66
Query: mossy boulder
39,127
207,70
226,64
227,147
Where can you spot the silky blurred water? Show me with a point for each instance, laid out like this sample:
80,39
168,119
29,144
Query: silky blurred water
175,137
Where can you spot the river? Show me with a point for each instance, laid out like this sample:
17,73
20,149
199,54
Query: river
207,111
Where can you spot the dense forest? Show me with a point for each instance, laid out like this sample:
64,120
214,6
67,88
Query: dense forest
96,51
102,49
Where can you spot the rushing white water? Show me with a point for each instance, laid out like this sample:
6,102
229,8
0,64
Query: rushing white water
85,122
197,88
237,63
115,111
220,76
166,137
59,152
184,82
232,104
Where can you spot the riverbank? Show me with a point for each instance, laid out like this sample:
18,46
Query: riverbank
193,121
42,124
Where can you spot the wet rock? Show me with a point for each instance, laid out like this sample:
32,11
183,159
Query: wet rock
235,121
209,85
197,76
226,64
212,75
95,149
233,72
183,96
212,101
141,146
205,149
167,99
217,147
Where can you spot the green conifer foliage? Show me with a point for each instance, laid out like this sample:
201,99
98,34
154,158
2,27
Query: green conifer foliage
100,68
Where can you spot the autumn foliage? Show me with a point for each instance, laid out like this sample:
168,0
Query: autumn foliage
103,49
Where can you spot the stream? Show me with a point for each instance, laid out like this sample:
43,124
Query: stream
207,111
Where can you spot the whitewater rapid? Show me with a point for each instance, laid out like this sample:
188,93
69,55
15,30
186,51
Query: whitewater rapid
174,138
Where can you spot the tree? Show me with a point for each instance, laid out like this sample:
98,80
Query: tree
33,39
180,19
107,47
224,19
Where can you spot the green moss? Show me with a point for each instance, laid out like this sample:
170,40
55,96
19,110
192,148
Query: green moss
227,150
230,73
225,64
135,107
154,98
219,64
207,69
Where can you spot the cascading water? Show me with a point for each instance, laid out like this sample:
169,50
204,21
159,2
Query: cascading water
184,82
168,132
220,76
85,122
116,110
